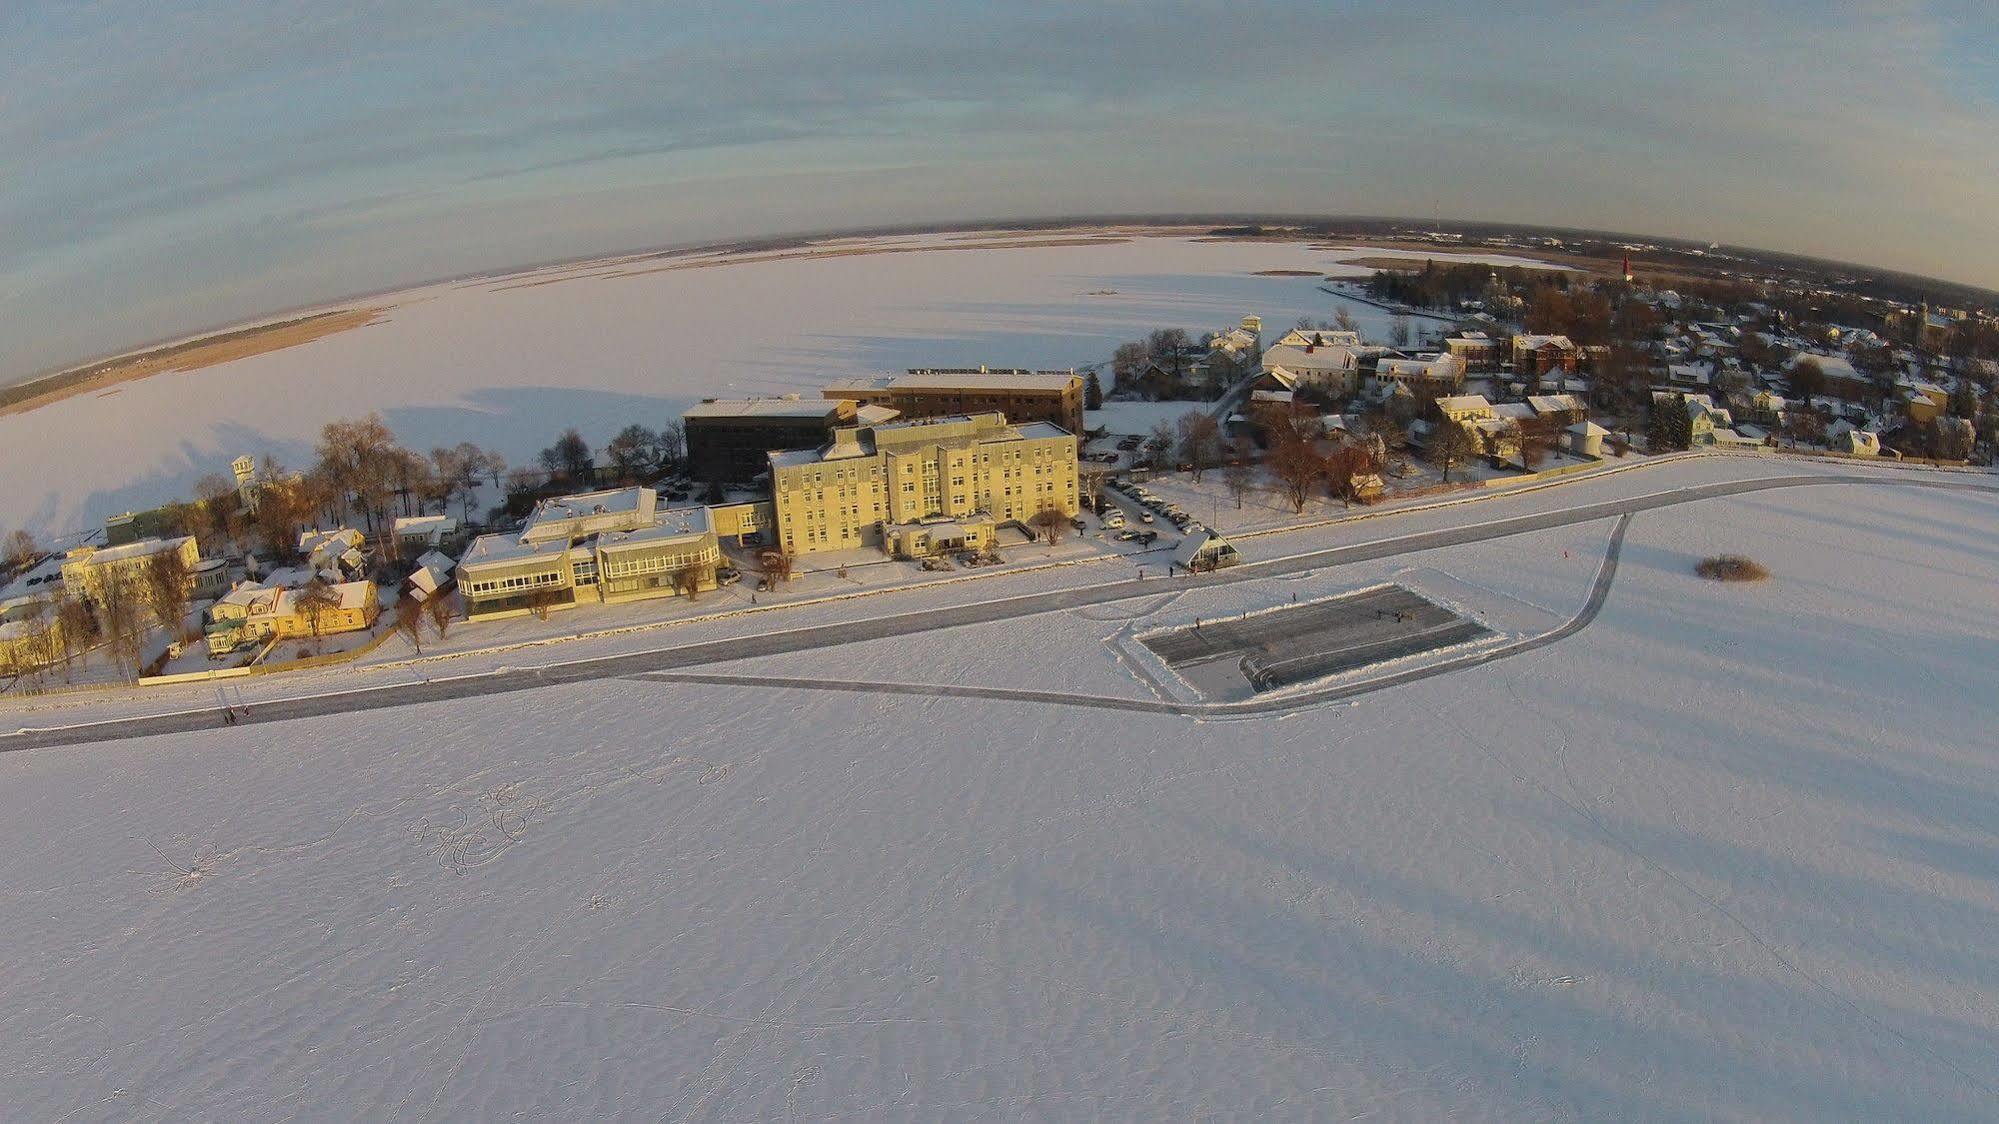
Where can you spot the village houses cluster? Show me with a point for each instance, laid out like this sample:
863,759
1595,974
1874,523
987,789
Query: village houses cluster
938,462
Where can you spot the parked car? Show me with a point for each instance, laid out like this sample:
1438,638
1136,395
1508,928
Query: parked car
1126,536
1113,520
727,575
1145,517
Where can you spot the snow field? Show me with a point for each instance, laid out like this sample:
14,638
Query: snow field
1726,852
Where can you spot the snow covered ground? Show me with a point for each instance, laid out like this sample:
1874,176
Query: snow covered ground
1729,851
509,362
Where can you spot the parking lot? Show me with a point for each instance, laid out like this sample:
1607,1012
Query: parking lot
1238,656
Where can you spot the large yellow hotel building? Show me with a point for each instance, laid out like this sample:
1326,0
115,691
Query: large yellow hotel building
919,487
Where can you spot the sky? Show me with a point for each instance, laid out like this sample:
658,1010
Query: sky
166,168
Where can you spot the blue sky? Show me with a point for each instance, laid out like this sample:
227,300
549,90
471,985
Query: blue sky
170,167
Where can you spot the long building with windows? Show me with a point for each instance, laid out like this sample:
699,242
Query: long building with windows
731,439
918,487
86,570
1055,397
614,545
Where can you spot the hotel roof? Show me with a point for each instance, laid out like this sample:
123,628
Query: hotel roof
789,406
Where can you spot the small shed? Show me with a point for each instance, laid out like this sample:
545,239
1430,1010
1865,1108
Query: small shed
1586,439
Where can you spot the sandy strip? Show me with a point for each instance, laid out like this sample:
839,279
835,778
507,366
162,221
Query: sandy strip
192,355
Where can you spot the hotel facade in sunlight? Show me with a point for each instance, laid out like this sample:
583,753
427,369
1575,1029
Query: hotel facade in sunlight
914,488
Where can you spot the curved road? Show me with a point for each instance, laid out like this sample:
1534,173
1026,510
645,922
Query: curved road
650,663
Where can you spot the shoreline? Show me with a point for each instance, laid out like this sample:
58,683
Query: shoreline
35,392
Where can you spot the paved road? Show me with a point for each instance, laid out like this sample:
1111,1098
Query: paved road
904,624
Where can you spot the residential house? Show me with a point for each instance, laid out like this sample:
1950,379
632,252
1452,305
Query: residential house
417,534
1425,375
88,570
1476,350
1318,337
1330,368
253,613
1537,355
340,554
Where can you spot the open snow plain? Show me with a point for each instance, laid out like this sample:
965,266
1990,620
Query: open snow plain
508,362
1728,851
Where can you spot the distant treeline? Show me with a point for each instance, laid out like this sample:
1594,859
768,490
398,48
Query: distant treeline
1448,286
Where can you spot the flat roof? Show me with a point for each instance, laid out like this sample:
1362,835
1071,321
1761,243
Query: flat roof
1031,382
786,407
488,549
139,549
673,523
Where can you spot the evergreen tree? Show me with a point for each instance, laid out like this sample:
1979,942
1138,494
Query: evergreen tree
1093,392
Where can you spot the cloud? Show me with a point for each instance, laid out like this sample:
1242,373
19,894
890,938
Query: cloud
276,153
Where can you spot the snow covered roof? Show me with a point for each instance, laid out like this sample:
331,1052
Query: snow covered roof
139,549
1195,543
1536,342
425,524
1553,403
435,560
1319,337
1042,382
788,406
673,523
1457,403
1588,429
1328,358
489,549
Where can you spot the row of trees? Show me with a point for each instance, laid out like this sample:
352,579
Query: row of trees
1453,284
1170,364
1302,461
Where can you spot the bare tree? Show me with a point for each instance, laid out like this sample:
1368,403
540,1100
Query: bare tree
362,465
21,550
1128,362
441,613
1200,441
687,579
634,453
1451,445
168,586
1295,461
1349,469
1239,476
121,612
1344,321
313,601
1807,379
75,626
1051,523
569,457
542,603
672,443
409,620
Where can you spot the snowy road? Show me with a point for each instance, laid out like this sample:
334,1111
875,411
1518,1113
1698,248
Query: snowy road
905,624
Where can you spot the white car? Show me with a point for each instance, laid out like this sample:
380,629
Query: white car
1113,520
